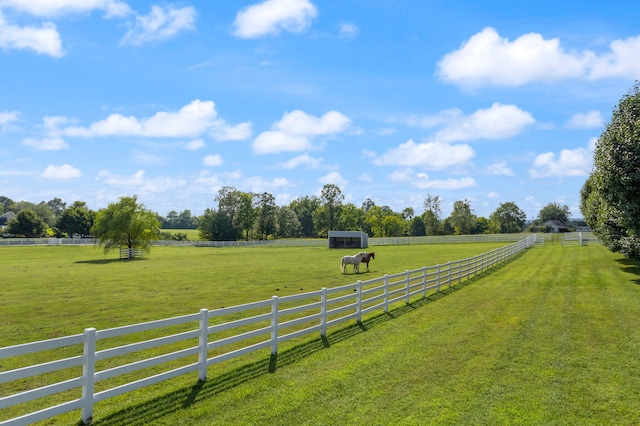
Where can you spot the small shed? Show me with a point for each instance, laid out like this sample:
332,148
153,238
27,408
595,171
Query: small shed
348,239
556,226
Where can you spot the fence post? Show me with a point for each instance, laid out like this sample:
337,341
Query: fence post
459,271
386,293
406,291
424,282
203,341
438,278
88,371
323,313
274,325
359,302
449,274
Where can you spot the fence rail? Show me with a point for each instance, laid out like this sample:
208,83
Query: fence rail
292,242
200,340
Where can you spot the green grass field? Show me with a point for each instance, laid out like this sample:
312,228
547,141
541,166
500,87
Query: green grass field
551,338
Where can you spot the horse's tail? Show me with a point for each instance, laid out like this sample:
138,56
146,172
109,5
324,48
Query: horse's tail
342,265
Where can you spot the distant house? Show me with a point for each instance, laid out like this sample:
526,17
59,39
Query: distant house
555,226
4,219
348,239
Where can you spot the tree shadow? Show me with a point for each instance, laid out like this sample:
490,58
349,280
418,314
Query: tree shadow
155,409
108,261
630,266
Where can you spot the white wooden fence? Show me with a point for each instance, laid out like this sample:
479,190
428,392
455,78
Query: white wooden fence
202,339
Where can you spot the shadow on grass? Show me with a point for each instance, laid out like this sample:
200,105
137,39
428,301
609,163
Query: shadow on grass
108,261
631,266
153,410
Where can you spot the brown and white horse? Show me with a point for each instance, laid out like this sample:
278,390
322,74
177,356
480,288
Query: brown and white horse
367,258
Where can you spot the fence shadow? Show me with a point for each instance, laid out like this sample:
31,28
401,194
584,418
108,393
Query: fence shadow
155,409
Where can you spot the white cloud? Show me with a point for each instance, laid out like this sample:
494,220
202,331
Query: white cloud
46,144
427,155
587,120
570,162
296,129
496,122
500,169
194,145
621,61
44,40
112,8
192,120
160,24
272,16
6,120
139,183
304,160
422,180
334,178
487,59
348,30
225,132
212,160
63,172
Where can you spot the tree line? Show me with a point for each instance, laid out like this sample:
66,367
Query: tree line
243,215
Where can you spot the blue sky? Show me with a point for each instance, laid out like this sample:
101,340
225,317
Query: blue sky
491,101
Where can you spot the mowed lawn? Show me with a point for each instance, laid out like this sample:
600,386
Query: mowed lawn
553,337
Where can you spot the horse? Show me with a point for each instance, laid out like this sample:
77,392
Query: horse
352,260
367,258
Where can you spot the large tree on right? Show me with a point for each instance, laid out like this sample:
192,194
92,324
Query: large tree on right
610,198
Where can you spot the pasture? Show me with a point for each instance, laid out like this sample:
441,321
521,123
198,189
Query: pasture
551,338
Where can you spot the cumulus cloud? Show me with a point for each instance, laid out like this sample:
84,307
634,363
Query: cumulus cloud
348,30
160,24
427,155
500,169
46,144
273,16
295,131
304,160
587,120
140,183
194,145
333,178
212,160
51,8
6,120
44,40
487,59
192,120
62,172
570,162
422,180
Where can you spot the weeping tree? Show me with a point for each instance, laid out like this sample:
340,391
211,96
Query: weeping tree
126,223
609,199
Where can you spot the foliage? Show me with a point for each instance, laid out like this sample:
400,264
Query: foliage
304,207
554,211
508,218
183,220
610,199
462,218
126,223
27,224
432,214
332,198
76,219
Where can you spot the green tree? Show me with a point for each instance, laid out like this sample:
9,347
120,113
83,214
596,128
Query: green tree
304,207
267,215
351,218
508,218
76,219
126,223
554,211
393,226
288,223
27,224
417,228
332,198
462,218
609,199
431,215
246,214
